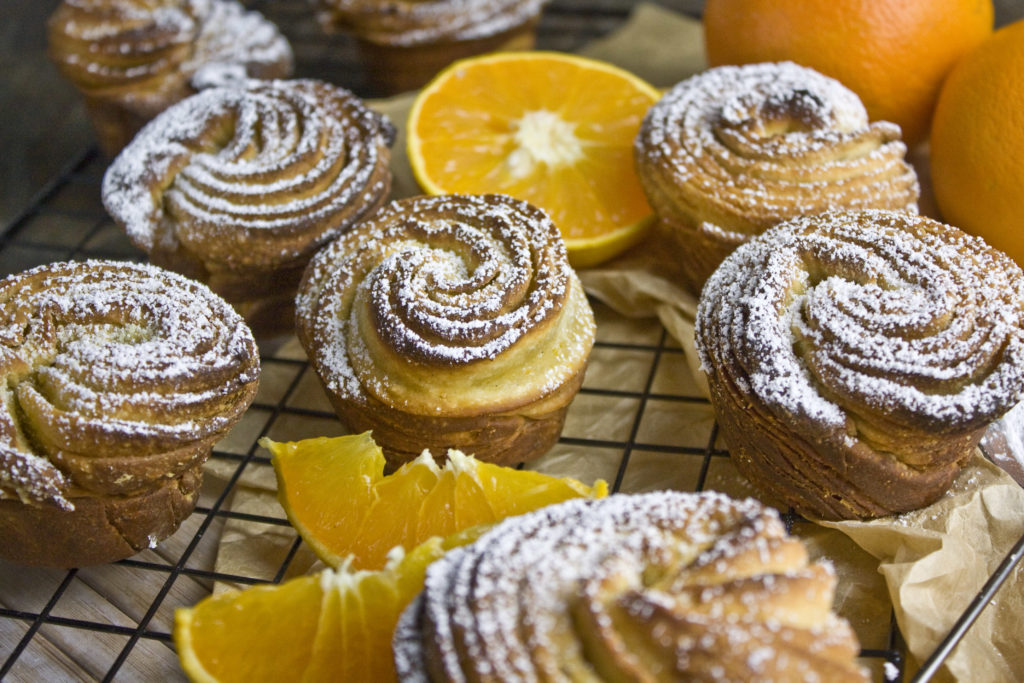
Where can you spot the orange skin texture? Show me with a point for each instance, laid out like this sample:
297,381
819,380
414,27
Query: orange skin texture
977,143
893,54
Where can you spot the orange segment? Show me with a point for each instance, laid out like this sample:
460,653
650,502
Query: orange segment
326,486
332,626
436,515
382,528
531,490
337,497
337,625
279,621
378,595
553,129
471,504
332,636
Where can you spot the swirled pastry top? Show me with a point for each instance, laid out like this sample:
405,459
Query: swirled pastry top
660,586
454,305
736,149
252,176
415,22
106,361
144,48
836,318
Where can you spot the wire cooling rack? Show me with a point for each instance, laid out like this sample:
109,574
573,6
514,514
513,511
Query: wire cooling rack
639,409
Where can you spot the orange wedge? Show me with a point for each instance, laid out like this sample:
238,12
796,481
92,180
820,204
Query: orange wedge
336,496
332,626
553,129
326,485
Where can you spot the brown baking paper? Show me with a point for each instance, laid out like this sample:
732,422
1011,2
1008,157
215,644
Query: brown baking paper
930,562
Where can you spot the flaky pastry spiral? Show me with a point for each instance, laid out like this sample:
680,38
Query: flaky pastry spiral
449,322
239,186
414,22
661,586
733,150
145,55
118,380
856,358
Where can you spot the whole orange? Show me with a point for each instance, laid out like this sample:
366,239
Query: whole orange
977,143
893,53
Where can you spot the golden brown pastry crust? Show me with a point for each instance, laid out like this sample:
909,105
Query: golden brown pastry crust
449,322
855,358
100,529
731,151
118,380
662,586
404,43
238,187
131,59
415,22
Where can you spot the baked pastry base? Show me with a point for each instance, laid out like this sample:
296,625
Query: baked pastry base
394,69
815,478
506,438
100,529
696,253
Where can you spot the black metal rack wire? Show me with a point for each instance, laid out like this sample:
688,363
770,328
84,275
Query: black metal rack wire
115,621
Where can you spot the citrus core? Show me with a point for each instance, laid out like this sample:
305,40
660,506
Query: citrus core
552,129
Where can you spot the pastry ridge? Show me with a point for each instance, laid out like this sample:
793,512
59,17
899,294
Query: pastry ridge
412,23
119,378
855,358
238,187
658,586
731,151
131,59
404,43
449,322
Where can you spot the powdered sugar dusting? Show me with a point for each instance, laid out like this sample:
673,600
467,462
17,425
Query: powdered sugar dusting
874,312
112,359
235,43
415,22
256,175
433,285
541,594
736,149
105,45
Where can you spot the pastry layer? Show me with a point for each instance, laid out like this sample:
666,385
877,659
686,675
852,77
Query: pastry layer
237,187
731,151
855,358
661,586
118,380
405,23
143,52
450,321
